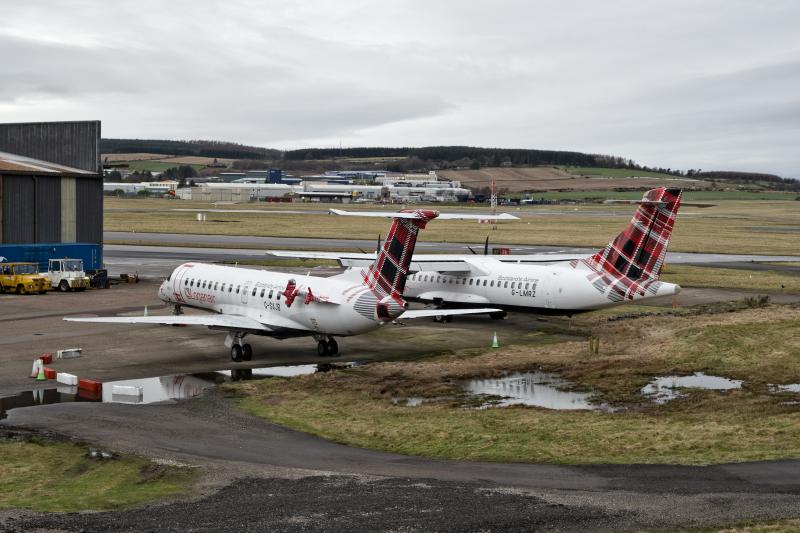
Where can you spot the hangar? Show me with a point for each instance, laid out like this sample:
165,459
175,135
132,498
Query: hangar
51,192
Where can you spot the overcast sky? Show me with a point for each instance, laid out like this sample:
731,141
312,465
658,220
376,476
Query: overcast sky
679,83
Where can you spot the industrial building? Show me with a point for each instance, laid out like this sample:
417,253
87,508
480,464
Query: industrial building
51,192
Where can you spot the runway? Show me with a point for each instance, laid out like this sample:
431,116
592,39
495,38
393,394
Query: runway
152,260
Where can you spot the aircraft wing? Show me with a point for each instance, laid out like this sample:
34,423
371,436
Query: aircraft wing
229,322
434,262
423,313
441,216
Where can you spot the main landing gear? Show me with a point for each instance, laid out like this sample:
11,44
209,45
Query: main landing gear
327,347
241,353
240,350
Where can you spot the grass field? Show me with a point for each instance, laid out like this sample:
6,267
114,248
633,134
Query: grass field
762,280
688,196
733,226
617,172
157,166
355,406
56,476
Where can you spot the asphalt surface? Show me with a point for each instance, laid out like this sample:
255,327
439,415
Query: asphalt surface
274,478
457,495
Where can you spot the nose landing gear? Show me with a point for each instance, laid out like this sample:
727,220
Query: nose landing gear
240,350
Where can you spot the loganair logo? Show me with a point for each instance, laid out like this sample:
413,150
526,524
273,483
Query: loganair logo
200,297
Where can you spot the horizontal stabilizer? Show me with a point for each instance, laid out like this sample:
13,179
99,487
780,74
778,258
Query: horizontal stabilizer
657,203
415,216
423,313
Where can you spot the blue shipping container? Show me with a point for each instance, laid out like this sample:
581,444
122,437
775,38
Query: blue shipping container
92,254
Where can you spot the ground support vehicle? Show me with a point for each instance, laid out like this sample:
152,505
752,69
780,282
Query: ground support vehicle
23,278
67,274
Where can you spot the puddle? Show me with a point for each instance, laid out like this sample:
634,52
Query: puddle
663,389
158,389
791,387
537,389
411,401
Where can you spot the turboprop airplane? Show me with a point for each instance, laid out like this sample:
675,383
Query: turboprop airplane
627,269
281,305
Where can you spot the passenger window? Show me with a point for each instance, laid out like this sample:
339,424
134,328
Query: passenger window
230,289
505,285
438,279
223,287
526,285
191,283
216,285
204,285
484,283
471,280
270,294
512,284
237,288
262,293
254,291
491,284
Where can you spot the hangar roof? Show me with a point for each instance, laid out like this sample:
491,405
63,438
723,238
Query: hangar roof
18,164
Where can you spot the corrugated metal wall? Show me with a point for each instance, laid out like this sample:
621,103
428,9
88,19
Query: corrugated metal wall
48,209
75,144
19,221
89,209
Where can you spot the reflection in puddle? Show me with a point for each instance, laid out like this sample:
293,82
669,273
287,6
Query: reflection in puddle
158,389
411,401
665,388
791,387
537,389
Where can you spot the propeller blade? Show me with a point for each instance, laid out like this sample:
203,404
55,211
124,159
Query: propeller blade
486,246
471,250
378,249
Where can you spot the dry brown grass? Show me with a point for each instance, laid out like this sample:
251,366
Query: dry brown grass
552,179
112,158
355,406
731,227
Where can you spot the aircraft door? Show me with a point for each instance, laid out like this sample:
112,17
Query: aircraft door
550,282
245,291
178,279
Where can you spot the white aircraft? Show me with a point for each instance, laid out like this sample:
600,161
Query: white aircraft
627,269
276,304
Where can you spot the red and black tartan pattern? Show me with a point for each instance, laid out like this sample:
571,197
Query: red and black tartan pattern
387,275
631,264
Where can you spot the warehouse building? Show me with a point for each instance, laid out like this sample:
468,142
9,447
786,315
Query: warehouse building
51,192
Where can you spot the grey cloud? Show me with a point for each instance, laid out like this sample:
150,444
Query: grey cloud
681,84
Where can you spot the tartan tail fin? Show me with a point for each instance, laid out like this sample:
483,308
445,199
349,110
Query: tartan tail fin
387,275
638,252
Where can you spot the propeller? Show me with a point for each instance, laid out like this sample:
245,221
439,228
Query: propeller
378,248
485,247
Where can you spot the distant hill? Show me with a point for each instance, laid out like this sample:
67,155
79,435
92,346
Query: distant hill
214,149
451,160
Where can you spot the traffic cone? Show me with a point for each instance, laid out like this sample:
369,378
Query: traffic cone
37,364
495,344
145,311
40,376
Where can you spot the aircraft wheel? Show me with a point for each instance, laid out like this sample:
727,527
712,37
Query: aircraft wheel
322,349
63,286
247,352
498,316
439,318
236,353
333,347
